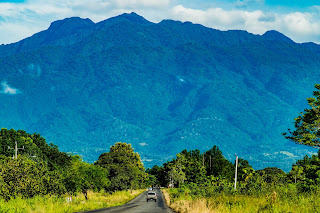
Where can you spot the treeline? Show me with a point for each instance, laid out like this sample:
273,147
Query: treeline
209,173
211,188
41,169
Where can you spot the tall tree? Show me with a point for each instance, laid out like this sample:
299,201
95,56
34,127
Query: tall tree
124,165
307,124
159,175
82,176
217,164
194,169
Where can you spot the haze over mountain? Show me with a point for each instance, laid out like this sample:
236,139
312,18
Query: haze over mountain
163,87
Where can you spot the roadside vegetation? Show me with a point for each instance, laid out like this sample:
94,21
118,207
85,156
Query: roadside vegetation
224,202
266,190
204,182
42,179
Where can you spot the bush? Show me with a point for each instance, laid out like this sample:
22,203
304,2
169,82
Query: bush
27,178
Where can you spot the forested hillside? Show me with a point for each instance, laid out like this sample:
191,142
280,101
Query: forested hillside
159,86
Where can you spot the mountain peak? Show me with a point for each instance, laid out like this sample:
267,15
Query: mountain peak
275,36
125,17
134,17
68,25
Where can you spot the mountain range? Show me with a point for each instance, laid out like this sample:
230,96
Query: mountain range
163,87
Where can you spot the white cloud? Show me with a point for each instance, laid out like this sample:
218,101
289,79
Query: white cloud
301,27
15,32
143,144
23,20
301,23
18,21
289,154
142,3
6,89
219,18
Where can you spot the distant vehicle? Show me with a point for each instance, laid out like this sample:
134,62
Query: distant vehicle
151,196
150,189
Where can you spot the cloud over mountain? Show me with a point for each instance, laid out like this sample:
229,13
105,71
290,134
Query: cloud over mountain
6,89
20,20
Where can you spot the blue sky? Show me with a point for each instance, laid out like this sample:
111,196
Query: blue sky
290,3
12,1
297,19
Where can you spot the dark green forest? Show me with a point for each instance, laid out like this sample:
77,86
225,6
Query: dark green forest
42,169
210,172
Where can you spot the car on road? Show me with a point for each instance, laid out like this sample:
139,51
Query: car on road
151,196
150,189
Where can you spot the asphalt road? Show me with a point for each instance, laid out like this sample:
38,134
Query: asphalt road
139,205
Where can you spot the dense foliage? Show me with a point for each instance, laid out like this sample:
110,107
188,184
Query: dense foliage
28,178
307,124
194,168
35,147
266,190
41,169
124,167
208,174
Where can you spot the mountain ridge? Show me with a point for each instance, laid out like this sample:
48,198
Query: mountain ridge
161,86
80,24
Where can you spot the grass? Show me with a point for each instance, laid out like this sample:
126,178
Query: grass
307,203
54,204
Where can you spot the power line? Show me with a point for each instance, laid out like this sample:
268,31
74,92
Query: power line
16,149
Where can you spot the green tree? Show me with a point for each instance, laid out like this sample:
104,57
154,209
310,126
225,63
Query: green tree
273,175
124,166
82,176
177,169
245,170
217,164
296,174
35,145
305,173
28,178
152,180
194,169
156,176
307,124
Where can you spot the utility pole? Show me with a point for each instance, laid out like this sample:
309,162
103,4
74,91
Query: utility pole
235,177
203,159
16,149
